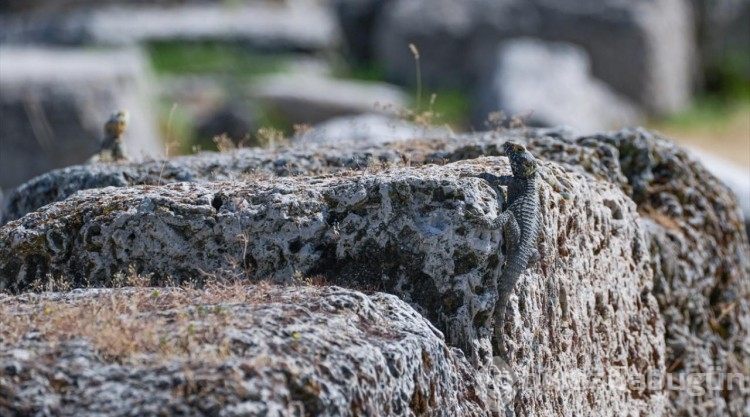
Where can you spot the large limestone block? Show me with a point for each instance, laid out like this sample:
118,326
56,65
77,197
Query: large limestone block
208,166
695,245
399,230
698,250
259,350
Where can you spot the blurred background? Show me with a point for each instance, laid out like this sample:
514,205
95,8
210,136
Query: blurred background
198,74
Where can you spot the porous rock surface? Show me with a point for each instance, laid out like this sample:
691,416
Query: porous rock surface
242,164
291,351
400,230
644,265
698,250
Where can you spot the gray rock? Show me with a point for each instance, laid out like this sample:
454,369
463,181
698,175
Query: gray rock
313,99
274,230
289,25
735,177
281,351
699,254
443,31
402,231
641,49
368,129
587,308
552,82
59,184
55,103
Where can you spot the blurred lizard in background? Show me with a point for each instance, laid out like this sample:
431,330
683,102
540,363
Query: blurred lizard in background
112,148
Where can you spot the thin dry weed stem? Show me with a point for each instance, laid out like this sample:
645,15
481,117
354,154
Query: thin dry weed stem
415,53
168,141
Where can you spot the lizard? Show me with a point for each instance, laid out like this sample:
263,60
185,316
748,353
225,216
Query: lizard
520,223
112,147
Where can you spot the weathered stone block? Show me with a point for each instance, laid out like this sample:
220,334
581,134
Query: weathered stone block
266,350
645,264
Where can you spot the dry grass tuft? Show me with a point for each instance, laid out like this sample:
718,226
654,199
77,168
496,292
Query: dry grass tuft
269,137
130,324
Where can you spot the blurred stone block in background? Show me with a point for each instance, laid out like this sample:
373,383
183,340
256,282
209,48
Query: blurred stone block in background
54,104
372,128
274,25
314,99
642,49
551,81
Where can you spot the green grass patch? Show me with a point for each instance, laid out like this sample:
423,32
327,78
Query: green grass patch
176,129
452,106
214,58
730,76
368,72
707,112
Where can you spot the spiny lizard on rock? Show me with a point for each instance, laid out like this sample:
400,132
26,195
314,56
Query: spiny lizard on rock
520,223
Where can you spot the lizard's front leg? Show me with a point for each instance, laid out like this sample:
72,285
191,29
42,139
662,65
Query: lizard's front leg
498,222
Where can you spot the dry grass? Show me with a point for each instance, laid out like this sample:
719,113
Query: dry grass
128,324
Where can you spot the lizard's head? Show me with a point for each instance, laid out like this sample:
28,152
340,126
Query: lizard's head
116,124
522,163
